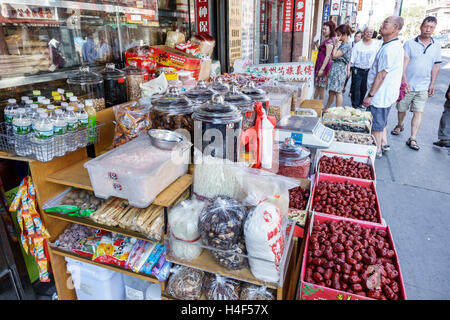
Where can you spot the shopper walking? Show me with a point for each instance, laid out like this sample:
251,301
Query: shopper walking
444,125
357,38
384,80
421,68
363,55
323,63
341,55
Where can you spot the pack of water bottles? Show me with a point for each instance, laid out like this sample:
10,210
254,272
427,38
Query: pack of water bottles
42,131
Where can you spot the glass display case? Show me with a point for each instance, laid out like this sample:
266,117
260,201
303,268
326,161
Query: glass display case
43,42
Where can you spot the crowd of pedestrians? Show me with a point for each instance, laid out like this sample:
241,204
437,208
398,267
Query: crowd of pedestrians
384,73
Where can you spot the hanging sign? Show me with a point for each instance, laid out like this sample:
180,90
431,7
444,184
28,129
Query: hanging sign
335,7
326,12
288,14
234,30
291,71
299,18
202,16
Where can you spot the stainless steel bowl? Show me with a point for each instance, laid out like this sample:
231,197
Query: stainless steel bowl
165,139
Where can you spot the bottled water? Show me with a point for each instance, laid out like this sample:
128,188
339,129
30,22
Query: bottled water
50,110
43,138
23,100
22,130
28,107
45,103
64,106
10,112
59,133
83,120
72,126
35,117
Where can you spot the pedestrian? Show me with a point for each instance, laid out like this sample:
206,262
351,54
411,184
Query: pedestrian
444,125
363,55
421,68
384,80
323,63
357,38
342,52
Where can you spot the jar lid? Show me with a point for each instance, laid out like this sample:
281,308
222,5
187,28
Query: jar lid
111,73
173,102
85,76
237,98
219,86
256,94
290,151
217,111
201,93
134,69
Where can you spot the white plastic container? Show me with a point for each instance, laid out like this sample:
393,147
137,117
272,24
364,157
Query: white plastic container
95,283
137,171
139,289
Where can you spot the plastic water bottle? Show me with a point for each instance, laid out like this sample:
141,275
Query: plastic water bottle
28,109
10,112
50,110
23,100
83,120
32,110
59,133
22,130
43,138
64,106
72,126
92,121
35,118
45,103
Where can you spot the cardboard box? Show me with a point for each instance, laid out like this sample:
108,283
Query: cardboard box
359,158
300,227
308,291
363,183
168,57
316,105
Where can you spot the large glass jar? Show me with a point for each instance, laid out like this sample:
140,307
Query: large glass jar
256,94
135,76
172,111
219,86
218,117
201,93
86,84
244,104
115,85
294,160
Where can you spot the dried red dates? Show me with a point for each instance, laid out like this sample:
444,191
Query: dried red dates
346,167
298,198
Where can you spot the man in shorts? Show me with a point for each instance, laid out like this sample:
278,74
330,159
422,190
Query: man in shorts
421,68
384,80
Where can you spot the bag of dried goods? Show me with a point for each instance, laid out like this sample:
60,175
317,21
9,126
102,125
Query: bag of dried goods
185,240
185,283
131,120
235,260
254,292
216,287
174,38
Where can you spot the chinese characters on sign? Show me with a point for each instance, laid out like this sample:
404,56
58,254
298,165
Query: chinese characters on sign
202,16
288,14
292,71
234,31
326,12
299,20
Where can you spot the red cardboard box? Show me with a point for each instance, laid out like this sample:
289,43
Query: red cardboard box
361,182
308,291
168,57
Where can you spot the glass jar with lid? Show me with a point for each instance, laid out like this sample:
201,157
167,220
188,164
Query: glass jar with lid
218,116
172,111
201,93
294,161
245,104
115,83
219,86
86,84
256,94
135,76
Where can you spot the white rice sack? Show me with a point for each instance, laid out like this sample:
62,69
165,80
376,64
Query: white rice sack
264,239
185,237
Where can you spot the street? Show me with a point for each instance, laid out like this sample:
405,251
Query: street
414,194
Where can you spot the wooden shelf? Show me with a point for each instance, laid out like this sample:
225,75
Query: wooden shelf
75,256
90,223
207,263
73,176
172,192
11,156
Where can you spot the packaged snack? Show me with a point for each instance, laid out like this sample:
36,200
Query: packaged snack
152,259
114,250
174,38
205,43
131,120
163,274
86,246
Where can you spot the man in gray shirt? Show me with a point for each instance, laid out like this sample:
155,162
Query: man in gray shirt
421,68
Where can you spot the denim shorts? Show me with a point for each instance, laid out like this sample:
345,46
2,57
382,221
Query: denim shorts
380,117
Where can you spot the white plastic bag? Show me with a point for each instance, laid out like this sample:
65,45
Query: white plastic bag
155,86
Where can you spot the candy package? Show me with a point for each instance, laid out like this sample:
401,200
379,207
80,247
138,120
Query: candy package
114,249
152,259
132,118
86,246
139,254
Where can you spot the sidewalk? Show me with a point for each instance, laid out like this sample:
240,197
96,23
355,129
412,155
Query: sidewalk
414,191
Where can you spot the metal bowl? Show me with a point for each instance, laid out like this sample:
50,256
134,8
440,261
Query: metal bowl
165,139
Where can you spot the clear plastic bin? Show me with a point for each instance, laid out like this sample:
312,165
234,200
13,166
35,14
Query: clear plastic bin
139,289
95,283
137,171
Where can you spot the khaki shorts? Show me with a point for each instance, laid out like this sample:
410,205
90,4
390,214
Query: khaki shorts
414,101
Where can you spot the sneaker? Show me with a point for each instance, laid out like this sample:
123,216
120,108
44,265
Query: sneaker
442,143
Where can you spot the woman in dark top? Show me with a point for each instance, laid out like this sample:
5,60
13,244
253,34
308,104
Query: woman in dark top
323,63
444,125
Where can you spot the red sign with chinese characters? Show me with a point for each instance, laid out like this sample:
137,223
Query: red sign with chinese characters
292,71
299,18
262,16
288,14
202,15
